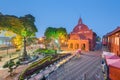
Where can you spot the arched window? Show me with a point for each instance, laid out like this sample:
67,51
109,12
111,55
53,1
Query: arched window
77,46
71,45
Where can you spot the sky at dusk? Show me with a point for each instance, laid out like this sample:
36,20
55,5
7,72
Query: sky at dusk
101,16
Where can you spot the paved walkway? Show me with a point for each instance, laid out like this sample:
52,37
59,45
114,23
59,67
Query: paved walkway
88,65
4,75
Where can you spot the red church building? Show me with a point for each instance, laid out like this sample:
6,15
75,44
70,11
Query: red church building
82,38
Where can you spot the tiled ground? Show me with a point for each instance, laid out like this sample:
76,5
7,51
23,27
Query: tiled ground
77,68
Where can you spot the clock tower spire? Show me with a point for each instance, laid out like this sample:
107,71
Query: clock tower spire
80,21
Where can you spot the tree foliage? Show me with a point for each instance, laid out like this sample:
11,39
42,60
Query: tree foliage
11,65
22,26
17,42
10,23
29,27
98,38
56,35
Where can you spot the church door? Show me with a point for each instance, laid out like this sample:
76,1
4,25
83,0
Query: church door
83,47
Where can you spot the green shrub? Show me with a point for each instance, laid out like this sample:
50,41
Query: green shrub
45,51
34,65
10,65
41,64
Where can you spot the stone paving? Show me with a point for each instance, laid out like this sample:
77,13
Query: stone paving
87,67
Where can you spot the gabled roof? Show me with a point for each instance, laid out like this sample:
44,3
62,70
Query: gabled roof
114,31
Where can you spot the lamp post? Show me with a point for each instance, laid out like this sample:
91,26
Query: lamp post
57,44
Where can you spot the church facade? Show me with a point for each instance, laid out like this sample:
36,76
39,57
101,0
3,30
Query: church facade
82,38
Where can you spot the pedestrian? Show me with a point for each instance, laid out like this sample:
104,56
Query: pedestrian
78,52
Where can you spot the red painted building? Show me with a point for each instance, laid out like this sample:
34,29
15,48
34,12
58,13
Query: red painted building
82,38
113,41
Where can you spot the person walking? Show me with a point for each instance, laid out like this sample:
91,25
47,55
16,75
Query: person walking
78,52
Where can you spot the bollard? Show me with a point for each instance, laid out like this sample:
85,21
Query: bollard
84,77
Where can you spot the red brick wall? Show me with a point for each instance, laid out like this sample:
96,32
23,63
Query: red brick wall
79,42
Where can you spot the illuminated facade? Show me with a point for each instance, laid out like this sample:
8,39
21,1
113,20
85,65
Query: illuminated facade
82,38
113,40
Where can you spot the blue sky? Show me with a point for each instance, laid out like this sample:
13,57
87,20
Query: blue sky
101,16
